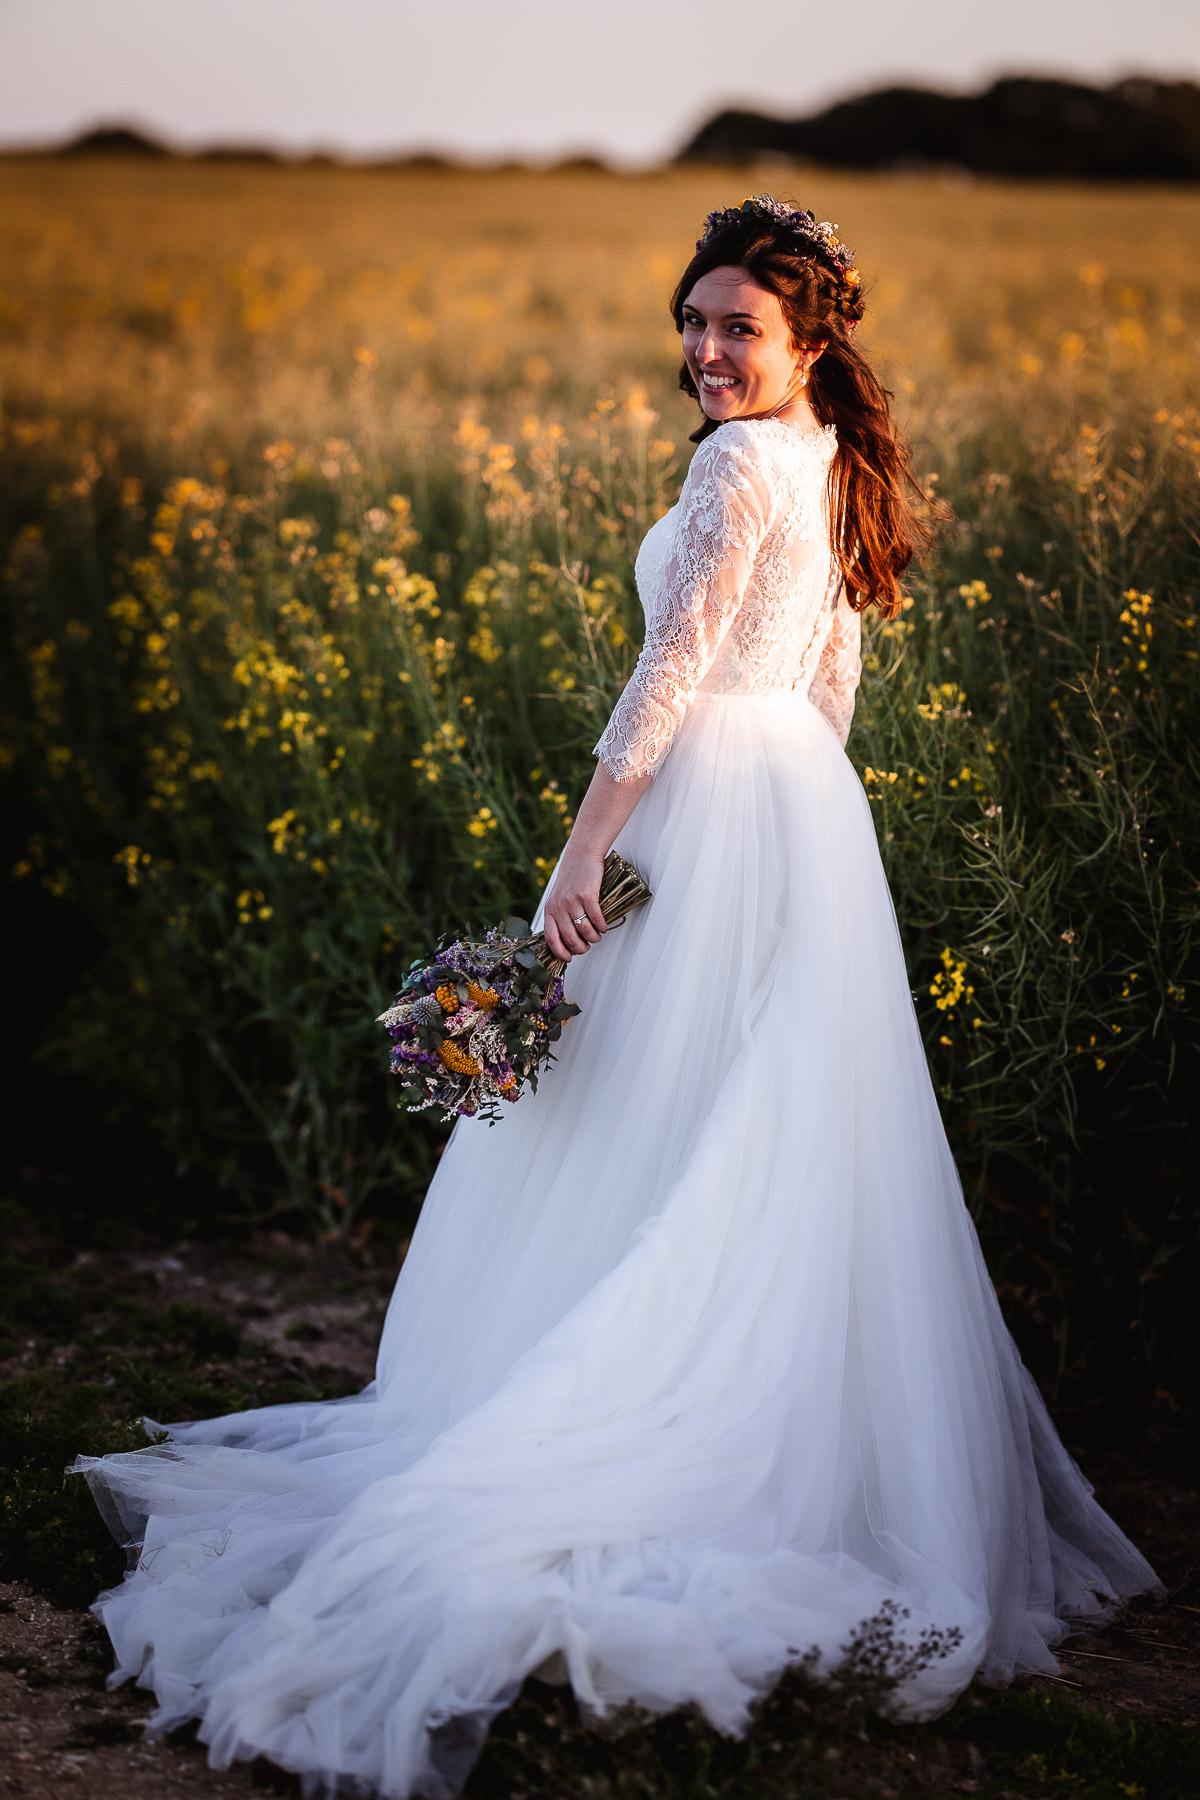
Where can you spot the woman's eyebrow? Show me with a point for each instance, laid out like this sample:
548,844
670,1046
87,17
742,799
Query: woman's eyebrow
724,316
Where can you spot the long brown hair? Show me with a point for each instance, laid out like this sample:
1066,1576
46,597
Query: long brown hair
878,513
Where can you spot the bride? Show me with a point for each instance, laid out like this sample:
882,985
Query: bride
694,1363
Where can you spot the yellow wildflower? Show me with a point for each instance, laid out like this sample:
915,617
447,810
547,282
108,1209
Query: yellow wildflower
133,860
950,985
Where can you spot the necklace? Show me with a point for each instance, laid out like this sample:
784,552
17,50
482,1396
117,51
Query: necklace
786,403
813,432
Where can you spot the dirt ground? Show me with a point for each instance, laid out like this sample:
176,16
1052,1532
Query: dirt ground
63,1734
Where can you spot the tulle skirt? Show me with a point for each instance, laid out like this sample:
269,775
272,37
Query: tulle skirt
693,1363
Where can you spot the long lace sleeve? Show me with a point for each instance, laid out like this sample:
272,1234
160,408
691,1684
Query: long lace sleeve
837,675
724,513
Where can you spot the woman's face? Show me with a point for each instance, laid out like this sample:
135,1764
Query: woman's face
738,348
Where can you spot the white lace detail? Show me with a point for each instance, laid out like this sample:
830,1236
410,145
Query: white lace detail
839,668
740,590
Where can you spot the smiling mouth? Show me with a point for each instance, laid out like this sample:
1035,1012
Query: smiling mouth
716,384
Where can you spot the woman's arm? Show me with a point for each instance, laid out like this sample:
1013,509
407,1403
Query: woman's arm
837,675
575,889
723,514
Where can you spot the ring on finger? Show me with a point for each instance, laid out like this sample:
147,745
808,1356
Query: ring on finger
581,920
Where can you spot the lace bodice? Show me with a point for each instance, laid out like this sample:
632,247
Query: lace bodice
740,591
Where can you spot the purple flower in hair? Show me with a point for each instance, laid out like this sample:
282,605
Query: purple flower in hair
817,236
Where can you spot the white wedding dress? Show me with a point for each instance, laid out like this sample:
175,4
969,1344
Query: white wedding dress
694,1361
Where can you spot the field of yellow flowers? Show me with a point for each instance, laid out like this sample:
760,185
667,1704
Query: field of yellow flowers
321,490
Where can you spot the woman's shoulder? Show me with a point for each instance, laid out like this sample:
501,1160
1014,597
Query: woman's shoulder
763,444
776,467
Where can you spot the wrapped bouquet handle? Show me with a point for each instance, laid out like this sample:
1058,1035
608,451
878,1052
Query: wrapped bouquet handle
475,1026
621,889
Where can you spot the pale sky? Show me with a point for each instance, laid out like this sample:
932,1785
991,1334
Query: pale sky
625,79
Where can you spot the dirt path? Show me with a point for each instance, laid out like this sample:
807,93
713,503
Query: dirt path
268,1315
61,1733
315,1316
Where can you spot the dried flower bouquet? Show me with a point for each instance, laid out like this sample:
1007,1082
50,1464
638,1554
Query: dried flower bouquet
475,1026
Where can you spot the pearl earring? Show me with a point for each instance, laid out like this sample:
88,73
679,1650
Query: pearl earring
804,378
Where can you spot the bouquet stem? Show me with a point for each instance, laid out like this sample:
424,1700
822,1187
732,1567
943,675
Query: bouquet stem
621,889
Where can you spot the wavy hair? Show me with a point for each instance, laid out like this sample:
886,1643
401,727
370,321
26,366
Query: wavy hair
880,518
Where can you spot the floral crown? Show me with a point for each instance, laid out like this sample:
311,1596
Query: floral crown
817,236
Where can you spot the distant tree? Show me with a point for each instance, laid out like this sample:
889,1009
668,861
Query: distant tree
253,153
1138,129
114,140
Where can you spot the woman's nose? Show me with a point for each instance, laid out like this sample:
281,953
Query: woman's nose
706,349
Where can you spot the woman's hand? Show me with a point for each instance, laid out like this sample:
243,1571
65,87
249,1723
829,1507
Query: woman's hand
572,919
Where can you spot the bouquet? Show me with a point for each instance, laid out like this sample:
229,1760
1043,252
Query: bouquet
476,1025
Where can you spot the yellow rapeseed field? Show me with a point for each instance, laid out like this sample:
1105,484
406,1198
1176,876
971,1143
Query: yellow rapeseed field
203,304
320,495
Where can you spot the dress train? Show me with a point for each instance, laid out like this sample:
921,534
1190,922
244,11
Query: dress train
693,1363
